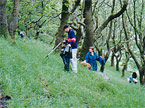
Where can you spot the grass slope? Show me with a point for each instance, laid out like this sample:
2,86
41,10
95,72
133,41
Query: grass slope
35,82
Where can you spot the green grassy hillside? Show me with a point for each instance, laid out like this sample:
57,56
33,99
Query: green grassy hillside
33,81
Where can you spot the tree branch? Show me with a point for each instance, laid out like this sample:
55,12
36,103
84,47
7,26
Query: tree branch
77,2
111,17
128,46
138,32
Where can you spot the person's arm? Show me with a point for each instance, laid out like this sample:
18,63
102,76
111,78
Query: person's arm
101,60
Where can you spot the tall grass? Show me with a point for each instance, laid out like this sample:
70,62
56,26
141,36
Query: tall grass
34,81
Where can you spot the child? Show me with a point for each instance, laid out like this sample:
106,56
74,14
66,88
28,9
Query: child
133,78
66,54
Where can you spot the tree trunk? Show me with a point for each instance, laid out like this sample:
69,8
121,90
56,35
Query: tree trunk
89,37
3,20
37,34
114,50
142,75
118,58
125,65
13,21
117,64
64,19
102,68
112,59
27,31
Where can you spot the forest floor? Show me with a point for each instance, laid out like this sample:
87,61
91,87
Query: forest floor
28,79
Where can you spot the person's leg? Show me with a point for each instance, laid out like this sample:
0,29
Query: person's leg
64,61
74,60
67,63
95,67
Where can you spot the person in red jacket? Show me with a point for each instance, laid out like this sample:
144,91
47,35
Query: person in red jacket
73,43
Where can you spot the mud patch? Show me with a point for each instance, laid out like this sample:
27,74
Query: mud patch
3,100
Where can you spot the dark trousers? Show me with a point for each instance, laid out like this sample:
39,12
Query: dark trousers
66,61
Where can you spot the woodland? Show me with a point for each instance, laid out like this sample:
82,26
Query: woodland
116,28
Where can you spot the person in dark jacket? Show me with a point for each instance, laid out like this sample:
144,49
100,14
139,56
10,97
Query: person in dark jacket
66,54
92,58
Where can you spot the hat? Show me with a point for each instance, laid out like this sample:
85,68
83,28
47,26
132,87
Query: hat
66,26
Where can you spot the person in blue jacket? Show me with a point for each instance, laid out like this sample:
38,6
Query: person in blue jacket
92,58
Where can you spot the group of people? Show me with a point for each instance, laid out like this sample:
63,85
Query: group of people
69,56
69,53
